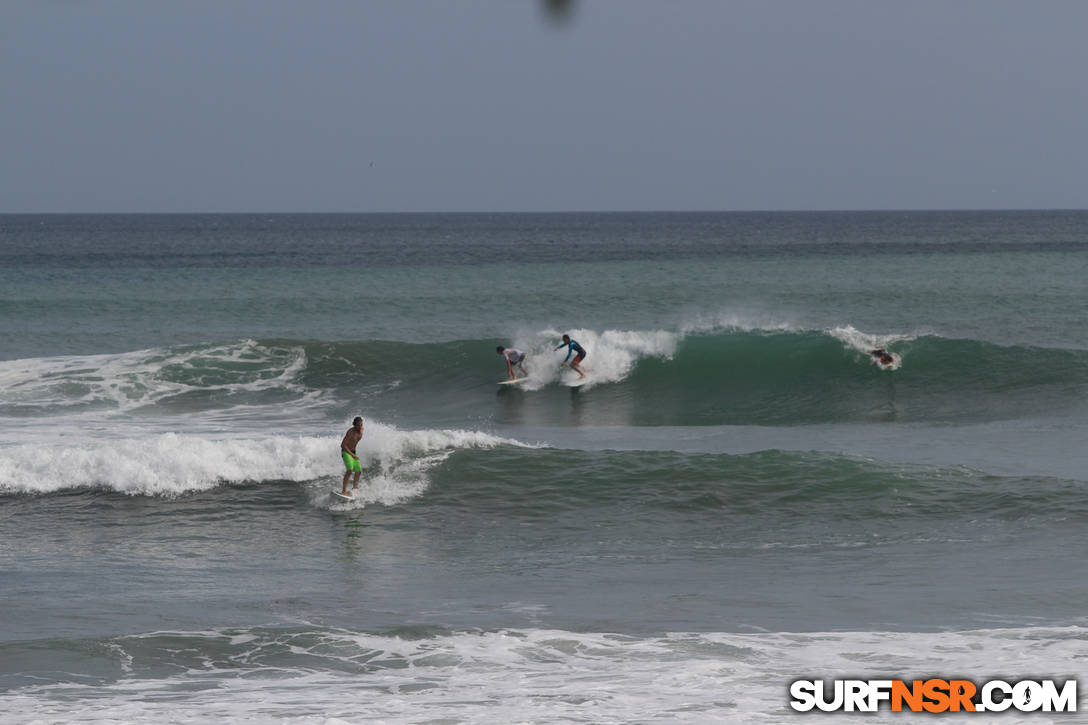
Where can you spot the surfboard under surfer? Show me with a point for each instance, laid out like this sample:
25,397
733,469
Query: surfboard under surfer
513,357
573,348
351,458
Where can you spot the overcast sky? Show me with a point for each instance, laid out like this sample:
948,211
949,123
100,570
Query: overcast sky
465,105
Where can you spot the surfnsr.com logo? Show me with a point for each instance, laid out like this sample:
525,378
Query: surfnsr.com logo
933,695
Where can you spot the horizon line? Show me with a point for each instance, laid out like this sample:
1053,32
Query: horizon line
573,211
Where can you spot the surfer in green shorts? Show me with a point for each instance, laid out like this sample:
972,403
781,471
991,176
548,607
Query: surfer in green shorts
347,452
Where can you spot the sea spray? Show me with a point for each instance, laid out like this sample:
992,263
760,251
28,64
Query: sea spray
189,377
611,354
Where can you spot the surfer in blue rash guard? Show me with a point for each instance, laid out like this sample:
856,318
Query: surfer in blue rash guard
572,348
513,357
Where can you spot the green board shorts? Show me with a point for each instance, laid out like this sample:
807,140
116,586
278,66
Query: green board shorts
352,463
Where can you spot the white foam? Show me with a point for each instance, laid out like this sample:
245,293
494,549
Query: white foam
611,354
865,343
71,385
545,676
173,464
738,322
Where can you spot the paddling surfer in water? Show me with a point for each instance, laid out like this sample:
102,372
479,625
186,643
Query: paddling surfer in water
351,459
573,348
883,356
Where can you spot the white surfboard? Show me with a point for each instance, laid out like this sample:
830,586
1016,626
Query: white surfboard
342,497
515,380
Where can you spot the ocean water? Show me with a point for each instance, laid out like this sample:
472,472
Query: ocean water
736,498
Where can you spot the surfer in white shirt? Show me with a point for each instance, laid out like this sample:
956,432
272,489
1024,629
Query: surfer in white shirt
513,357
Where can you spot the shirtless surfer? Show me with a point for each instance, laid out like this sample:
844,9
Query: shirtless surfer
347,452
